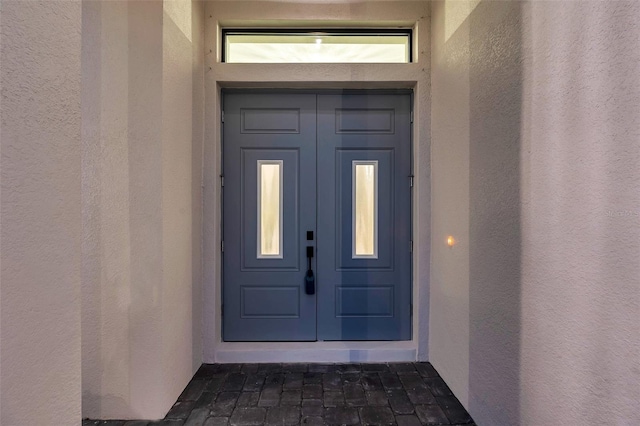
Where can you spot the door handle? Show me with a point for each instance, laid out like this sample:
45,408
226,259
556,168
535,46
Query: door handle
309,279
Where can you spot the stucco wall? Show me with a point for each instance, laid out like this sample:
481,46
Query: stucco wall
534,313
318,76
581,213
138,198
40,210
197,154
449,322
475,284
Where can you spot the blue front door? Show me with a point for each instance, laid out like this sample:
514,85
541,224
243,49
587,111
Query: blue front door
316,217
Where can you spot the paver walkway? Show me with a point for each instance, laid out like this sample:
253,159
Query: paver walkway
312,394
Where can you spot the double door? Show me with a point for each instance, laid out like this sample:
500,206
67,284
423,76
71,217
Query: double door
317,217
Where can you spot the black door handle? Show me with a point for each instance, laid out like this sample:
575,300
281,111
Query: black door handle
309,279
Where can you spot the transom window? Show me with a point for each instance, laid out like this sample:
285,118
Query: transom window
316,46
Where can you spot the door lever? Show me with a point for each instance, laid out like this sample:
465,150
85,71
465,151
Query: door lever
309,279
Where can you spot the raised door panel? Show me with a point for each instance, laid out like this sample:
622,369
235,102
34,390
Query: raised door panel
364,220
269,200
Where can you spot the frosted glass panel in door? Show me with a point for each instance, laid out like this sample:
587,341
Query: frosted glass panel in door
269,208
365,224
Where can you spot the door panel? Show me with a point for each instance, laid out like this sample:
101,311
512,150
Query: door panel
288,259
346,256
269,203
364,297
335,164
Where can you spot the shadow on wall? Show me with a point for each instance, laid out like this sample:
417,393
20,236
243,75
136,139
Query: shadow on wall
137,293
494,217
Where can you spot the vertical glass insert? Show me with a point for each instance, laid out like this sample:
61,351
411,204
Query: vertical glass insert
270,209
365,209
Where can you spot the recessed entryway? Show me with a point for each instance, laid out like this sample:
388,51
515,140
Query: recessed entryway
317,216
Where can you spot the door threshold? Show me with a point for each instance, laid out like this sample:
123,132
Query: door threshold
325,352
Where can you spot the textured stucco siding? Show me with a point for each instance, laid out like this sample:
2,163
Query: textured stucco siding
177,340
197,155
140,333
535,313
580,192
40,212
449,298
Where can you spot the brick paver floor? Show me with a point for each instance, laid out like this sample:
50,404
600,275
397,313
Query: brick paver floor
403,394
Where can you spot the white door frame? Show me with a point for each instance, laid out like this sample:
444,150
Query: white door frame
315,76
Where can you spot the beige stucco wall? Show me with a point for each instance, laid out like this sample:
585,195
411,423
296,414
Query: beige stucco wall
140,206
580,174
318,76
40,212
536,159
197,148
449,322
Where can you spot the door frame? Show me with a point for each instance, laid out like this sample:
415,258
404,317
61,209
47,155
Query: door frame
320,351
214,349
215,75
